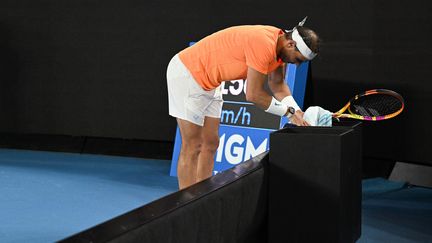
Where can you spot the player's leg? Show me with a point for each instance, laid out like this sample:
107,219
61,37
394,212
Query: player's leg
210,134
191,104
178,83
210,143
190,149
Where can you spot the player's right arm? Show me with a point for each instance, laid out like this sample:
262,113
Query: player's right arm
255,91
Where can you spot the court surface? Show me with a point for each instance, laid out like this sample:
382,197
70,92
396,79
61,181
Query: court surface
47,196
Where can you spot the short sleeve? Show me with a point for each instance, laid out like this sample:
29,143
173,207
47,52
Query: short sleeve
260,52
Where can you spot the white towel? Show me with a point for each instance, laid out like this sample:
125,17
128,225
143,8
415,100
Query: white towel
317,116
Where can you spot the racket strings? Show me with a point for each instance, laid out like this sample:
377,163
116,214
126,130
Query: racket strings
376,105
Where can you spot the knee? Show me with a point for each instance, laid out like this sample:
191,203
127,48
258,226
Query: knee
192,146
211,144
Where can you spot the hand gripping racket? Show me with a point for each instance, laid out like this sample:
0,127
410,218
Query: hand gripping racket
373,105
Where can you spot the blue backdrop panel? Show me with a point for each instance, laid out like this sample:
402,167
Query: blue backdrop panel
245,129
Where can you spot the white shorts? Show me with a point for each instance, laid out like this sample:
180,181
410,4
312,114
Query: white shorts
187,99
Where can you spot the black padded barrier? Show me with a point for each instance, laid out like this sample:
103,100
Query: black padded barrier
315,184
355,183
228,207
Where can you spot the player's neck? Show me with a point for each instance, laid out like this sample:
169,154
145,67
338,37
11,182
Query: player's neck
279,44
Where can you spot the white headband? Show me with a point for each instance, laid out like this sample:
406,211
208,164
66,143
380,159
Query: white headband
301,45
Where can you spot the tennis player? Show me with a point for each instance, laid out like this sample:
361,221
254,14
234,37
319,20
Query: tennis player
253,52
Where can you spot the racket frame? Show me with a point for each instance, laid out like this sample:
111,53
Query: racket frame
340,114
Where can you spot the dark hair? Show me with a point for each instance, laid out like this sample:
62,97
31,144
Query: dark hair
311,39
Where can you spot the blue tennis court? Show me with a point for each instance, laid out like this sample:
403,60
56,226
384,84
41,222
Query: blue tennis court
47,196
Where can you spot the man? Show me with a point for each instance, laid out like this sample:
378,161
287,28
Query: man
253,52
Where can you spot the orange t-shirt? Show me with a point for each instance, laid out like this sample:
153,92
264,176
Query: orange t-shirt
226,54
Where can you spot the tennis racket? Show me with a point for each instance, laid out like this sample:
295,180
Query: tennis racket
373,105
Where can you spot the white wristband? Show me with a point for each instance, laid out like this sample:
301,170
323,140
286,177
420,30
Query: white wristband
289,101
277,108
